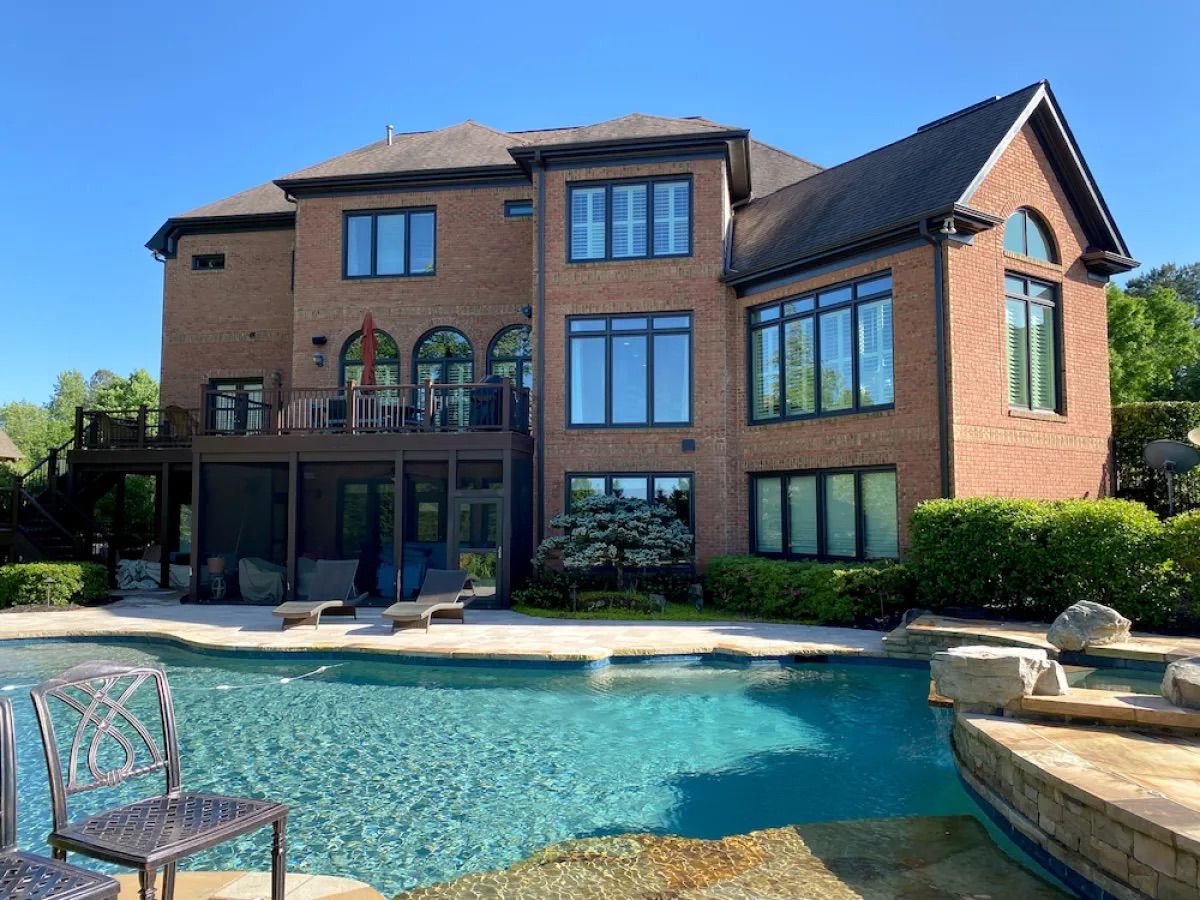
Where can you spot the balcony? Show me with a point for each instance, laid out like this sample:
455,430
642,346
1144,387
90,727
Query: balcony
495,406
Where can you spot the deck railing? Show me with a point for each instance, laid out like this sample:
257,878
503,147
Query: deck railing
496,406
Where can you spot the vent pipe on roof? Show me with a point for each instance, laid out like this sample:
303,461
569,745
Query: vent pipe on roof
389,134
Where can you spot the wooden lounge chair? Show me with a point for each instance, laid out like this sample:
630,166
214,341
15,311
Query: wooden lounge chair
442,596
95,740
332,594
24,875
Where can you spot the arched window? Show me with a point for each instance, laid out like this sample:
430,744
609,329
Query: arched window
445,356
511,355
387,359
1026,233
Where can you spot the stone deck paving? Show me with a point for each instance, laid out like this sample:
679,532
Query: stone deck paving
487,634
255,886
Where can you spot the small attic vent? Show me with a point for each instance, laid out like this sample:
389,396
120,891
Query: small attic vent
954,115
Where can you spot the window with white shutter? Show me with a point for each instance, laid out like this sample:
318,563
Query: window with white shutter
672,218
630,219
1030,314
587,222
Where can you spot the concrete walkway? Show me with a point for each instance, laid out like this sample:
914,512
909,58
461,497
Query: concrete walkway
487,634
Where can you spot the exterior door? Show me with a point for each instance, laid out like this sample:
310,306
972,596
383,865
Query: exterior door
479,549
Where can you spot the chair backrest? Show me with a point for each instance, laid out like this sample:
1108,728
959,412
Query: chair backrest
442,585
333,580
109,743
8,778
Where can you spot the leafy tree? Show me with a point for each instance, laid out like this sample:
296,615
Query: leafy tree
619,532
1152,341
116,393
1183,280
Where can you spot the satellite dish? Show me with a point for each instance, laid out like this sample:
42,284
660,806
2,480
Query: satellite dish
1174,458
1171,456
1194,435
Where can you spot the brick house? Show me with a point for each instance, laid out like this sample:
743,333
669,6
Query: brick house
791,356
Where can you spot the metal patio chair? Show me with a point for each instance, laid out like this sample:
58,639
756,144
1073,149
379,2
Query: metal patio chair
24,876
107,744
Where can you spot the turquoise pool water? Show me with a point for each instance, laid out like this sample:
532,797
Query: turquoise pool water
404,775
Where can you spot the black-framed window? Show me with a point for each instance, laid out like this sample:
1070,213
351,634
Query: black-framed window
510,355
445,356
1027,233
387,359
208,262
390,243
825,514
629,219
824,353
672,488
1031,334
518,209
630,370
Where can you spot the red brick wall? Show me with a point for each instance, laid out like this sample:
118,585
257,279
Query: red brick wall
905,437
643,286
236,322
483,277
1009,453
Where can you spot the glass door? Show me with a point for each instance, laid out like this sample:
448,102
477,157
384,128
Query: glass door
479,550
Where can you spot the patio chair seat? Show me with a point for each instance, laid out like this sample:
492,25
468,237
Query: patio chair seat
30,877
161,829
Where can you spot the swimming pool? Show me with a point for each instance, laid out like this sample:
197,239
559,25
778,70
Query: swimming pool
404,775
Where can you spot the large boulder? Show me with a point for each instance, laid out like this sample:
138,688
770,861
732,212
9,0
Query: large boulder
993,677
1181,683
1086,623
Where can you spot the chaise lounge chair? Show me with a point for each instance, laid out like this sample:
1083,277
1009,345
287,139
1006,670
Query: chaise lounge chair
24,875
332,594
442,595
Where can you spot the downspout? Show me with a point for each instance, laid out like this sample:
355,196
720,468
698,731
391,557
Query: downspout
539,367
936,241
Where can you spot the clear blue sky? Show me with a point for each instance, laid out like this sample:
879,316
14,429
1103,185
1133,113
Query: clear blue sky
114,116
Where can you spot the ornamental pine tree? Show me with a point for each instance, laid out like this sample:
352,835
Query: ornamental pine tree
620,532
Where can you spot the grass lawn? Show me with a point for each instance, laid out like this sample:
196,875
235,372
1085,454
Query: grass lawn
675,612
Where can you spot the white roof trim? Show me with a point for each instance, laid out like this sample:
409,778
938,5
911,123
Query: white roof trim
998,151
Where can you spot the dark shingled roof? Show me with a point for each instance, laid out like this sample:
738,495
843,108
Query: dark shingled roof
266,198
923,173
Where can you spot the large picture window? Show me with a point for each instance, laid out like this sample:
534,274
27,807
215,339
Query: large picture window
1031,333
832,514
388,243
630,219
673,489
823,353
630,370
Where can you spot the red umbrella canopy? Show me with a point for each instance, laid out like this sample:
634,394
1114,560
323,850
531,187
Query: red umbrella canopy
368,349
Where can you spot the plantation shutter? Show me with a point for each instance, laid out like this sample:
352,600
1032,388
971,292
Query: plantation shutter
1018,353
802,514
672,218
629,220
880,524
587,223
875,383
1042,362
764,362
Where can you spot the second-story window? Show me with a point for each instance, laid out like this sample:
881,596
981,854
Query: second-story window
388,243
824,353
630,219
630,370
1030,313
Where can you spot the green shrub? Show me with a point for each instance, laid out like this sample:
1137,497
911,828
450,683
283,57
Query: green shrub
25,584
1183,548
1134,426
1033,559
826,593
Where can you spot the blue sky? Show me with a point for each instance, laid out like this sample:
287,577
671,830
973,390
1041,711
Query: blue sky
118,115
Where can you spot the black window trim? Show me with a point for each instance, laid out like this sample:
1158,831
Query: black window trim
380,361
1028,213
649,181
1055,306
197,258
814,314
418,360
785,512
519,360
650,331
374,214
609,475
514,209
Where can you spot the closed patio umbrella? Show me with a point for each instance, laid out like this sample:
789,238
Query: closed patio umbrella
368,349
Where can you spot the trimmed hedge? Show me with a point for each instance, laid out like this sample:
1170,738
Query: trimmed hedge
550,588
1033,559
1134,426
826,593
24,584
1183,541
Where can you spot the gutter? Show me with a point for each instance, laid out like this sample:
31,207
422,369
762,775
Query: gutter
539,366
937,241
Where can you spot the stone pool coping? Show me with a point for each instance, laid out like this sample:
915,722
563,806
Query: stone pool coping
1108,808
487,637
255,886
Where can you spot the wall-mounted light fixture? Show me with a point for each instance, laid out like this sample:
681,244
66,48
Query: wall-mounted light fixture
319,340
527,311
948,226
319,359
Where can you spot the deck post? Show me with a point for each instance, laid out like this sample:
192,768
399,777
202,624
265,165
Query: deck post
351,424
141,426
164,526
79,428
506,405
429,405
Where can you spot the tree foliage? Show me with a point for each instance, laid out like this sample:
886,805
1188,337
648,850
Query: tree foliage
1183,280
617,532
1152,340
